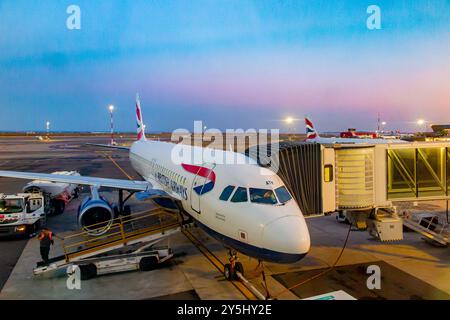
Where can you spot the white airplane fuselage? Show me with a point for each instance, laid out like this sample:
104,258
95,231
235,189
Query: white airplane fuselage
271,232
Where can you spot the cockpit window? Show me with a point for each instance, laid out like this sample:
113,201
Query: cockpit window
226,193
283,195
240,195
265,196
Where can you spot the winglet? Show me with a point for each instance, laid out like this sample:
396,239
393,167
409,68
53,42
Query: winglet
311,133
139,121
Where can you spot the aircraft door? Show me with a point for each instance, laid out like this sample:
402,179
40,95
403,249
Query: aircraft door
328,181
200,185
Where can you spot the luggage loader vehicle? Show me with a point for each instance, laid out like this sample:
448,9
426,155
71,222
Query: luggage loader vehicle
129,244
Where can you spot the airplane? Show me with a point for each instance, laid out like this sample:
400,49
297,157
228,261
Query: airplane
244,206
313,136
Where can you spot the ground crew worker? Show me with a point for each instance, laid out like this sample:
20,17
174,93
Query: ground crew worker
46,239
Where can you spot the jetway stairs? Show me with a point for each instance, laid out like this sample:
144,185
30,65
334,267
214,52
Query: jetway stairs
386,224
428,226
132,233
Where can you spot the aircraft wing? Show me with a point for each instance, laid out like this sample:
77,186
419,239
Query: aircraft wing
83,180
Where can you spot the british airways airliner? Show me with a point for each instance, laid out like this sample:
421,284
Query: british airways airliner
244,206
313,136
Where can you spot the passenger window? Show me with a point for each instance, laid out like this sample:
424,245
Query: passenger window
240,195
226,193
328,173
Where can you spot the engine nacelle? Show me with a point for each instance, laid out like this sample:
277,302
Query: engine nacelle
96,215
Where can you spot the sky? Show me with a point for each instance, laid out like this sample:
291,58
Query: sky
230,63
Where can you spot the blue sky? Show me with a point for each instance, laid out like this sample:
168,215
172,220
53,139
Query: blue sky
231,64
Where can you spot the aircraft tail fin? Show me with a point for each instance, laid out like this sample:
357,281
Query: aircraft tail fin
139,121
311,133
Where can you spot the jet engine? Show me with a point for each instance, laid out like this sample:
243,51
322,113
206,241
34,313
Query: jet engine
96,215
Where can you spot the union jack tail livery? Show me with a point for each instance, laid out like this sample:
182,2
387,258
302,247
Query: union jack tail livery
139,122
311,133
206,173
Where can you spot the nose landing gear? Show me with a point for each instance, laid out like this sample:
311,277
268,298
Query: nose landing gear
235,271
231,270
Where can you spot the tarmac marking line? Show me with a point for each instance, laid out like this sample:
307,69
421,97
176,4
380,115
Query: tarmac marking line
218,264
117,165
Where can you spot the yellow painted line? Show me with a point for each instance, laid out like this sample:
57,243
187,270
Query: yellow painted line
117,165
208,254
218,264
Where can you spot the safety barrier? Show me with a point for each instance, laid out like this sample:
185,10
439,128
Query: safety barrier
123,231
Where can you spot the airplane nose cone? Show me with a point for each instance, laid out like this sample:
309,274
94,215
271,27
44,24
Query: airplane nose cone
288,236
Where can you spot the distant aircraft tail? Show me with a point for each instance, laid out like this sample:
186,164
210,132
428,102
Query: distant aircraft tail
139,121
311,133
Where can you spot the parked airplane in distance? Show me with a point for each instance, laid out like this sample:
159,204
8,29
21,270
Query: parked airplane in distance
244,206
313,136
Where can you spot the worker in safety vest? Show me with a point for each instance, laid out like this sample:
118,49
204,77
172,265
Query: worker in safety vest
46,239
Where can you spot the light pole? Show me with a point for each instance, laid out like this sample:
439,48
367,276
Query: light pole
289,121
47,126
420,123
111,109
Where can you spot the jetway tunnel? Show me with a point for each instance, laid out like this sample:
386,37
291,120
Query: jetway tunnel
327,178
299,166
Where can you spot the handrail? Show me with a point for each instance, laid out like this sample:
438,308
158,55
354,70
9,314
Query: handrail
77,244
436,234
438,225
119,231
122,241
138,216
413,224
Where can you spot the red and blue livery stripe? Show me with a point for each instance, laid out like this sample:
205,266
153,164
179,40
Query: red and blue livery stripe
208,174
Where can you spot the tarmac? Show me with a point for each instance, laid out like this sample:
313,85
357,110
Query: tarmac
410,269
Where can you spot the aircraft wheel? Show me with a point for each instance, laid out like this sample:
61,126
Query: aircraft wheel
88,271
116,212
227,272
62,207
58,206
238,267
126,211
33,229
148,263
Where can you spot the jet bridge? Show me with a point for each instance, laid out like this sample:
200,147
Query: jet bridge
299,166
361,180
